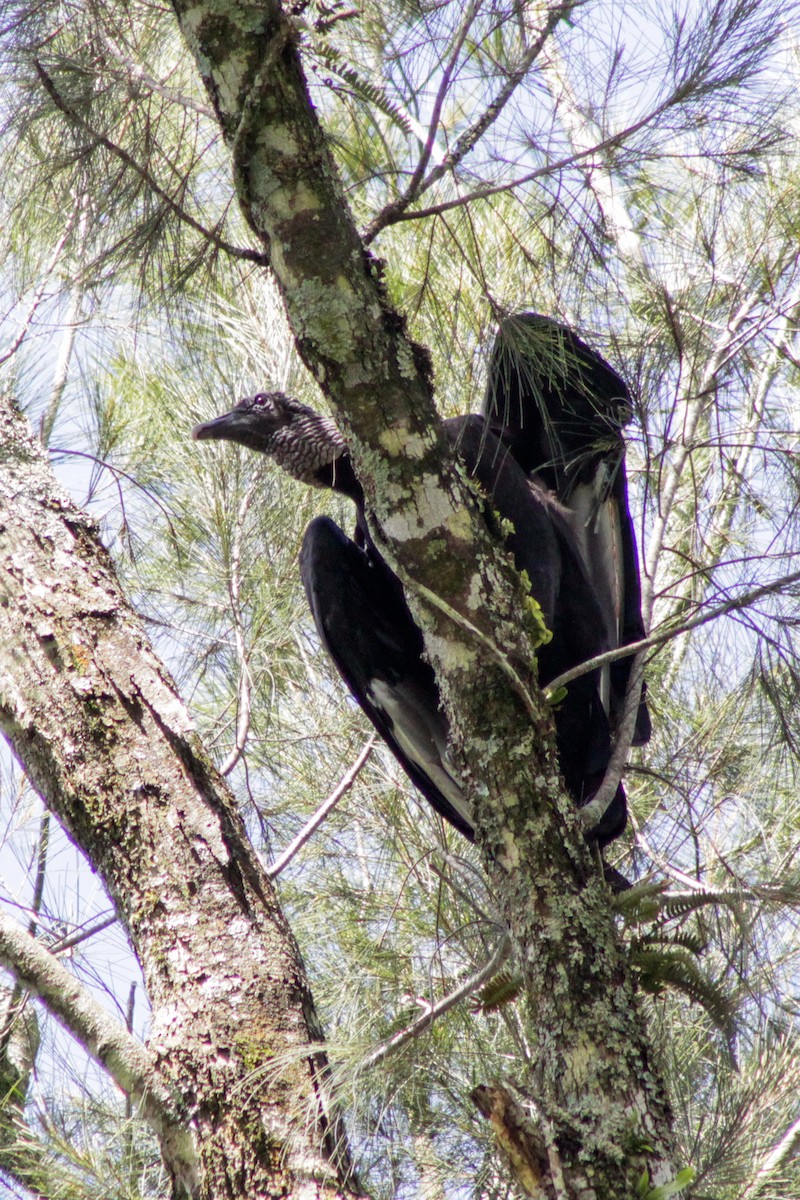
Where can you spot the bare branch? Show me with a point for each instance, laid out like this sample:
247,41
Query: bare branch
255,256
484,191
774,1160
82,935
471,984
658,639
133,70
469,139
591,813
413,188
327,807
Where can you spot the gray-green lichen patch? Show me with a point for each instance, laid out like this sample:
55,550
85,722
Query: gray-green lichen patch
453,652
432,509
401,440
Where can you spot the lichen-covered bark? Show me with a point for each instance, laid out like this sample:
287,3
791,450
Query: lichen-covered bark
599,1107
97,723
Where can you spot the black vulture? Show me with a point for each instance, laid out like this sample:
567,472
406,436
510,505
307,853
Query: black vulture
361,613
560,408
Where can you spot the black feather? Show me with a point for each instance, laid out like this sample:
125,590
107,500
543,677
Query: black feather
548,454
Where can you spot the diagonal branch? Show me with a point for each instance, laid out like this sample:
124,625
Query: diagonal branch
658,639
327,807
210,235
129,1064
469,139
469,985
415,184
613,141
38,295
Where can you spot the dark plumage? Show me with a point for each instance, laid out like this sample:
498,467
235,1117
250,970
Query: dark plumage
364,621
560,408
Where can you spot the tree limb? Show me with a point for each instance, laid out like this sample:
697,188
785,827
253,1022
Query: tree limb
130,1065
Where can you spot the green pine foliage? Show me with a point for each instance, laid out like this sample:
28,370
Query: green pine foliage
135,305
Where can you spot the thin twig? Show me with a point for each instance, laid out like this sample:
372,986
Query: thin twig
117,471
658,639
220,243
344,785
234,591
82,935
469,139
592,813
470,984
39,293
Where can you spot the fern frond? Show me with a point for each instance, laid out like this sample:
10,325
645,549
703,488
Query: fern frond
690,942
658,970
366,89
502,989
649,900
679,904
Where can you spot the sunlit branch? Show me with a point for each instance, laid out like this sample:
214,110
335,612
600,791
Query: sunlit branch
778,1155
310,827
128,1063
135,71
441,1006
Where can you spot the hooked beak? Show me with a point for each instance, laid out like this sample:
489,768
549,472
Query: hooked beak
245,426
221,428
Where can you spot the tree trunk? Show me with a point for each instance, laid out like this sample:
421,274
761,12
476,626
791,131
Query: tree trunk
601,1116
97,724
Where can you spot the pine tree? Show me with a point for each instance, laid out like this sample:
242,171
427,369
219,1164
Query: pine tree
633,175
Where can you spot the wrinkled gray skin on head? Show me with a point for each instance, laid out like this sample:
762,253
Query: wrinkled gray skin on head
299,440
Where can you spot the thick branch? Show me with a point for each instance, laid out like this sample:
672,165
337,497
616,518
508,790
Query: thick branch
104,738
130,1065
593,1077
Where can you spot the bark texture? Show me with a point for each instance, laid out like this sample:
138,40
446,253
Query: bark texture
599,1108
97,724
